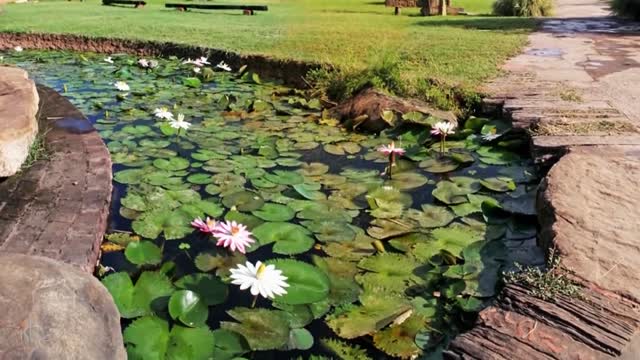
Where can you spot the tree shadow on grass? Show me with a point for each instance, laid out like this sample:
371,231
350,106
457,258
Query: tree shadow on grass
483,23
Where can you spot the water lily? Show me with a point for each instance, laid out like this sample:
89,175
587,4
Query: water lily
442,129
148,64
163,113
202,61
207,226
121,85
18,48
196,70
391,150
490,136
223,66
261,279
179,123
188,61
232,235
108,60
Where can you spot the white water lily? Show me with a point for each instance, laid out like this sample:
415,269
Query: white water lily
163,113
108,60
18,48
143,63
196,70
443,128
224,66
260,278
121,85
179,123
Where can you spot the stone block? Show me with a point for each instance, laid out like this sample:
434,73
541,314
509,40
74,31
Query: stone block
18,122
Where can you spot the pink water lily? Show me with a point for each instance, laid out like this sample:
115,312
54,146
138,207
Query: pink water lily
232,235
207,226
391,149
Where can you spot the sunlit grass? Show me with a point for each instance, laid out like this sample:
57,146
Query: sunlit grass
460,50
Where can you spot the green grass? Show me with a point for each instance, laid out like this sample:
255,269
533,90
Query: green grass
459,51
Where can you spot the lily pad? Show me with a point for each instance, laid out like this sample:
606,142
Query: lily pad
275,212
188,307
307,283
243,201
263,329
288,238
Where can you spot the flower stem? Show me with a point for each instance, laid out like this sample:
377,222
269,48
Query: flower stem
253,304
392,163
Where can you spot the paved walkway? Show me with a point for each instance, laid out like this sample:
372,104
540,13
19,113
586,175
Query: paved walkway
577,86
580,75
58,208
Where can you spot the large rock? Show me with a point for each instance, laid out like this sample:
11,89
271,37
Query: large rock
589,210
51,310
18,122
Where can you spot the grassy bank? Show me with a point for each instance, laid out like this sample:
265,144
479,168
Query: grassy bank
351,34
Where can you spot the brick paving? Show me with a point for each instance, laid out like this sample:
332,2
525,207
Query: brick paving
59,207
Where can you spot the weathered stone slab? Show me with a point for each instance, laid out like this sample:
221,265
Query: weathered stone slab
18,122
52,310
589,208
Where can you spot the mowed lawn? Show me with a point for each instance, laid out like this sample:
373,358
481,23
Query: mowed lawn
458,50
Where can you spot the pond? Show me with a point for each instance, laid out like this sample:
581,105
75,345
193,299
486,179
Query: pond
380,261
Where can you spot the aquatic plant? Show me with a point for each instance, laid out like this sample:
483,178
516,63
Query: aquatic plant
442,129
399,262
233,236
260,279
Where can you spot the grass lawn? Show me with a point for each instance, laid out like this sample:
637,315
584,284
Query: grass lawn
461,51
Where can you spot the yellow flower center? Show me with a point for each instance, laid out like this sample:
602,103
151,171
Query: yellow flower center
261,270
235,230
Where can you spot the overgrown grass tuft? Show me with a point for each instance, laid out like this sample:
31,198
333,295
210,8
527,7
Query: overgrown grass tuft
626,8
338,84
526,8
38,151
545,285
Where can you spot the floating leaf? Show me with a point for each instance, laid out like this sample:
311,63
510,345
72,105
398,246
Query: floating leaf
188,307
285,177
243,201
275,212
263,329
133,301
307,283
210,288
499,184
143,253
288,238
431,216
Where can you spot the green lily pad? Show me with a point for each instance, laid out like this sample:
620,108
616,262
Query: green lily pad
439,165
188,307
408,180
275,212
133,301
143,253
243,201
288,238
431,216
210,288
284,177
307,283
499,184
455,190
173,164
263,329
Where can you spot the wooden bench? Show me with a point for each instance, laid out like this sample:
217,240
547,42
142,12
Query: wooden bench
247,9
136,3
